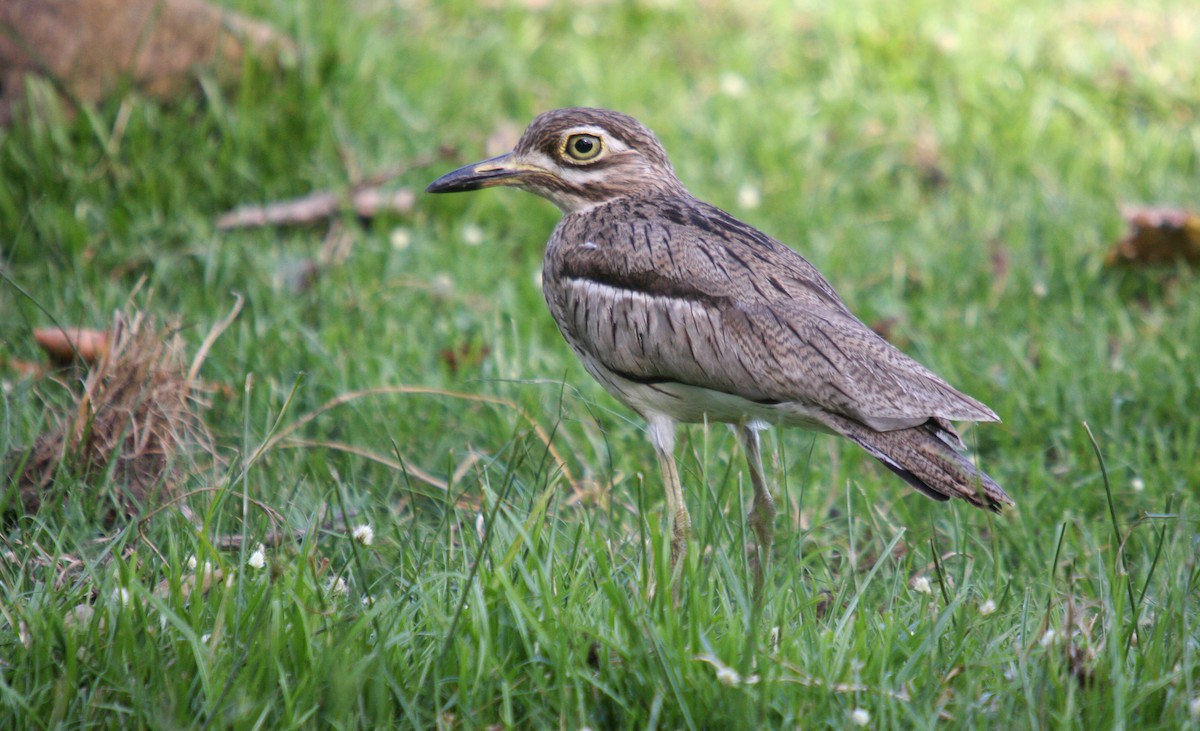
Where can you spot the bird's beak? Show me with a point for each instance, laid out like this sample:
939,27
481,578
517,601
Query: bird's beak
501,170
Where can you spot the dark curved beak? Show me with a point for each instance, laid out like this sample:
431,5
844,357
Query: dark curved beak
501,170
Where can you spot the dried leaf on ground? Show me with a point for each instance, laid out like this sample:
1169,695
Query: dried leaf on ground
1157,235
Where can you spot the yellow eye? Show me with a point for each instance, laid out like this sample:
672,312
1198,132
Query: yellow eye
583,148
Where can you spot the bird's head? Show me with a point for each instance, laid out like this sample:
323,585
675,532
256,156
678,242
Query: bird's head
577,158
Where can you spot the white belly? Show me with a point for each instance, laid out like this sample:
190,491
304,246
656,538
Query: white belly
694,404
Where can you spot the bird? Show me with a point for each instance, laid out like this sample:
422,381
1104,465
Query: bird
686,314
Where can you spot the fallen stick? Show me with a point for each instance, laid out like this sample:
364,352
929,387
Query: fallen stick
365,202
366,198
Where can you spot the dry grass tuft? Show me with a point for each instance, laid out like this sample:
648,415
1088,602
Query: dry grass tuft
135,421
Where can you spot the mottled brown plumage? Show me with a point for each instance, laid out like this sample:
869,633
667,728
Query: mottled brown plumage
686,314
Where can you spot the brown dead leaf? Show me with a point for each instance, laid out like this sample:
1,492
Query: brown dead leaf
63,345
1157,235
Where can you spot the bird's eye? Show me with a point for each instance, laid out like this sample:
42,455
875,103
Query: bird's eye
583,148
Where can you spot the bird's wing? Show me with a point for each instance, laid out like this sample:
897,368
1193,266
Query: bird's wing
712,302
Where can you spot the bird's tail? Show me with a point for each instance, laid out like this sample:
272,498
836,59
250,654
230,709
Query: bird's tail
925,457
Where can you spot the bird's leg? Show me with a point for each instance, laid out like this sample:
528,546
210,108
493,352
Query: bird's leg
762,514
662,435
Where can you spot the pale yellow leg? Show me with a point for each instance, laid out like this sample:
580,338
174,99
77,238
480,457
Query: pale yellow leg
762,513
662,435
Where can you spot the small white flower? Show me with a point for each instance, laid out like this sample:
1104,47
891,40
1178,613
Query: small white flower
191,564
205,638
368,600
860,717
337,585
988,607
258,559
472,235
748,196
364,534
1194,707
1138,484
733,84
921,585
400,238
1049,638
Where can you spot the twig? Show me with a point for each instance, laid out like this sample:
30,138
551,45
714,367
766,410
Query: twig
365,197
212,336
294,443
366,203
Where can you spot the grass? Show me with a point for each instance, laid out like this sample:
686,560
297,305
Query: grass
955,170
